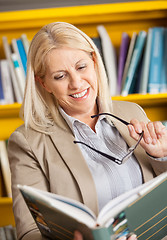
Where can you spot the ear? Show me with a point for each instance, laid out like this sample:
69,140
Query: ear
93,57
42,83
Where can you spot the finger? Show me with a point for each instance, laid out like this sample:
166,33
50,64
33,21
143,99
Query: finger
146,136
137,126
160,129
122,238
77,235
133,237
134,129
152,132
132,132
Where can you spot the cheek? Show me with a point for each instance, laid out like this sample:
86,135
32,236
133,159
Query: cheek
59,90
47,88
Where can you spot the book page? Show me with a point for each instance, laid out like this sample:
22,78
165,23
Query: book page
57,203
70,201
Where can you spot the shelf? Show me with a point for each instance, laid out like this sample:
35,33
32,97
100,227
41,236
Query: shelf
9,119
94,11
155,105
144,99
6,211
10,110
151,103
117,17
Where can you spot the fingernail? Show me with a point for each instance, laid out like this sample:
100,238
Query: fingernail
130,127
133,237
154,141
122,238
159,136
148,140
139,130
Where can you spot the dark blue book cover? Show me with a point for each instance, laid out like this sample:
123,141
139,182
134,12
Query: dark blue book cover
1,89
133,67
122,58
163,82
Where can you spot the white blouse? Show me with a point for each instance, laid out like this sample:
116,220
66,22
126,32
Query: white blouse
110,179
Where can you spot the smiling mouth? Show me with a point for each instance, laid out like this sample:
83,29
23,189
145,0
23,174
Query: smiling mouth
79,95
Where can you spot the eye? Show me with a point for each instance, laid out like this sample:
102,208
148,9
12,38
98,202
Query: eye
83,66
61,76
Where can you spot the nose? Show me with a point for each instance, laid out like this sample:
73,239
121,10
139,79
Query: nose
75,80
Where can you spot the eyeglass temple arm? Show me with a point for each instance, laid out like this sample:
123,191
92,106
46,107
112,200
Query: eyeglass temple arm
101,153
118,161
121,120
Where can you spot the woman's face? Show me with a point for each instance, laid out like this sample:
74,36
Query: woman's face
71,78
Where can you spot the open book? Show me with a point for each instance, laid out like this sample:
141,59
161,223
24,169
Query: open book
142,210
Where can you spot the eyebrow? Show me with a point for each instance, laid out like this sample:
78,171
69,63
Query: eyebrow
63,70
57,72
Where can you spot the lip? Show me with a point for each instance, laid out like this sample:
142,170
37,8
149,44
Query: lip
80,98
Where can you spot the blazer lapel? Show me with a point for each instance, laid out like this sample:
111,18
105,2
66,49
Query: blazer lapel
71,154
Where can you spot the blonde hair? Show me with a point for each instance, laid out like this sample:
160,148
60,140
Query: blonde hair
40,108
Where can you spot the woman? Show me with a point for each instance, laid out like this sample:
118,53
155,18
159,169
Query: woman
67,84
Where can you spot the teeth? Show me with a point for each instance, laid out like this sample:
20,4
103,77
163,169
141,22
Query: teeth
78,95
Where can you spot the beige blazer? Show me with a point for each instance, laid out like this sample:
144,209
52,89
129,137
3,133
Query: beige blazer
54,163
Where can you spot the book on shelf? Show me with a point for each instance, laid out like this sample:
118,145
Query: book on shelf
141,210
25,42
125,39
16,51
4,166
134,63
110,58
137,78
163,85
8,52
157,49
6,82
2,98
19,74
129,56
2,233
22,53
8,232
97,42
146,64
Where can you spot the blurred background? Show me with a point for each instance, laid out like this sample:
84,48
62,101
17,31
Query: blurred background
10,5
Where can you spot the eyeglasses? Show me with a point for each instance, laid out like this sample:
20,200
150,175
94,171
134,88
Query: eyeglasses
130,150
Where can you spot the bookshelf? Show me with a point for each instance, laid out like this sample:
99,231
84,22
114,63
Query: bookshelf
155,105
116,17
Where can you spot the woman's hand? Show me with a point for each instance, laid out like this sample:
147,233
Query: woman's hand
154,139
133,237
78,236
